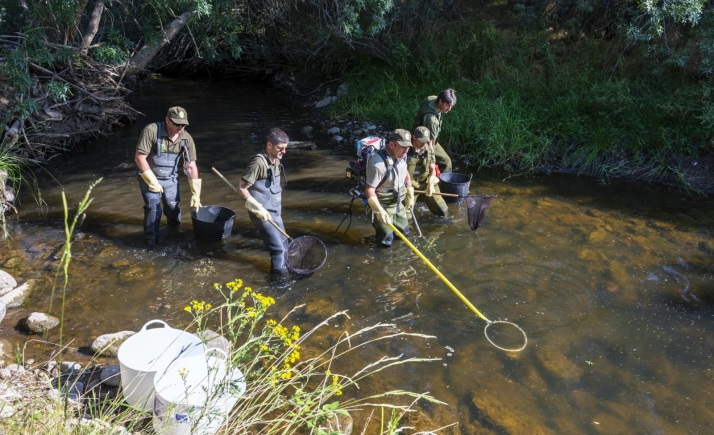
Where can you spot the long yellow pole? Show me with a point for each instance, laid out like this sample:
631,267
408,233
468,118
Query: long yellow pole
436,271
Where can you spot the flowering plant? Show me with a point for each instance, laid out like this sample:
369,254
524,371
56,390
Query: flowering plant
285,393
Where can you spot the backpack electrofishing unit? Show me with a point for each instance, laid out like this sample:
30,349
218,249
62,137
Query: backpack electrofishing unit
357,171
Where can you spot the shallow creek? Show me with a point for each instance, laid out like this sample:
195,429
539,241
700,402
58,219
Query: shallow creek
611,283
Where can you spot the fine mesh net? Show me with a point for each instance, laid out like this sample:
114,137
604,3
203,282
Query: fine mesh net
476,209
306,254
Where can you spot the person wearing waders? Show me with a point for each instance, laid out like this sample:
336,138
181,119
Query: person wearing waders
421,166
260,187
389,189
158,153
430,116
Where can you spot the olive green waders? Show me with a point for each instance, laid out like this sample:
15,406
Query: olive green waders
389,201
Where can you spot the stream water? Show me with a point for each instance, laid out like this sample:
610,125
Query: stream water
612,283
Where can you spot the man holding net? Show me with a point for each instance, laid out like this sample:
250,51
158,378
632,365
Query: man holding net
389,189
260,187
421,165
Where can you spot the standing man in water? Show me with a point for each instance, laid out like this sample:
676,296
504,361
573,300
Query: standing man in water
421,166
260,187
430,116
157,156
389,189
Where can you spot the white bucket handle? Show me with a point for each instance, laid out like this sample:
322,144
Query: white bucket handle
150,322
215,349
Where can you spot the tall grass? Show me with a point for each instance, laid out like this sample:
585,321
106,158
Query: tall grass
535,104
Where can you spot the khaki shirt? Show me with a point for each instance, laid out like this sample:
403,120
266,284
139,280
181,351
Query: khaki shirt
147,141
376,170
258,169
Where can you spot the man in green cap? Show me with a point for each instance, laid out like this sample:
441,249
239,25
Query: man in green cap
389,189
158,152
430,116
261,189
421,166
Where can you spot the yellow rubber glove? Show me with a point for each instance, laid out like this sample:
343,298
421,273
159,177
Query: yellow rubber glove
195,185
257,208
431,182
150,178
410,198
378,210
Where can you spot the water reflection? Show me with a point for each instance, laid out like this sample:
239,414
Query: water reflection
611,283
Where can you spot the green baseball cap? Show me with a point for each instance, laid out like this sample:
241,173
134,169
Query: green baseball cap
178,115
422,133
402,137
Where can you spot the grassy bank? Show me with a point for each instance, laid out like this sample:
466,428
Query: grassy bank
546,109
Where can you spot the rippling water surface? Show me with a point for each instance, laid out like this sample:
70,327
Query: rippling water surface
613,284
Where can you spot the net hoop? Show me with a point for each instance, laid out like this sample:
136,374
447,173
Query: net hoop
298,246
525,338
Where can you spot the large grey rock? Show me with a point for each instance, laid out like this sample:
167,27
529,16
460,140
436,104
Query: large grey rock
108,344
342,90
16,297
325,102
7,282
337,139
41,322
111,376
334,130
3,310
306,131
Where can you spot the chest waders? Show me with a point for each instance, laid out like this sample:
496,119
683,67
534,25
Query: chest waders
165,166
418,167
391,200
268,192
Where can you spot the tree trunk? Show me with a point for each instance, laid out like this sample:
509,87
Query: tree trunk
141,59
93,26
77,19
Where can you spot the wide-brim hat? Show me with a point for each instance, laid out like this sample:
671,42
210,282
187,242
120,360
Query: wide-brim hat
178,115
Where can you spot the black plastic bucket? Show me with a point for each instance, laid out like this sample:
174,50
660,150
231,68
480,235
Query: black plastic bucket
455,183
212,222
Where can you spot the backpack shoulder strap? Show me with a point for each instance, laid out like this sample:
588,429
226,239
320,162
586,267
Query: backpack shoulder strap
389,163
158,139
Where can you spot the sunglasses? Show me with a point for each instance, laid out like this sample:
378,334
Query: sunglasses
177,125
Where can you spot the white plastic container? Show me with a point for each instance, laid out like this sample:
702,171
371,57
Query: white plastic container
195,395
150,351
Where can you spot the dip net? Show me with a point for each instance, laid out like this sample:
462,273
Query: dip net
476,209
306,254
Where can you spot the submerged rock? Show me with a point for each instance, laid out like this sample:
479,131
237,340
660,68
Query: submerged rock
41,322
108,344
215,340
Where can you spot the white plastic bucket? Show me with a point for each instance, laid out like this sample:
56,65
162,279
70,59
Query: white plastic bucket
150,351
195,395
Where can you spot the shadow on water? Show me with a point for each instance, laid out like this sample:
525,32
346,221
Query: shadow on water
611,283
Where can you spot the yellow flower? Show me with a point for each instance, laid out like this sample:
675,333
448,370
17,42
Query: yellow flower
187,309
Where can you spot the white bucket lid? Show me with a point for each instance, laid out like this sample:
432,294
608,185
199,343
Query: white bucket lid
193,381
152,349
